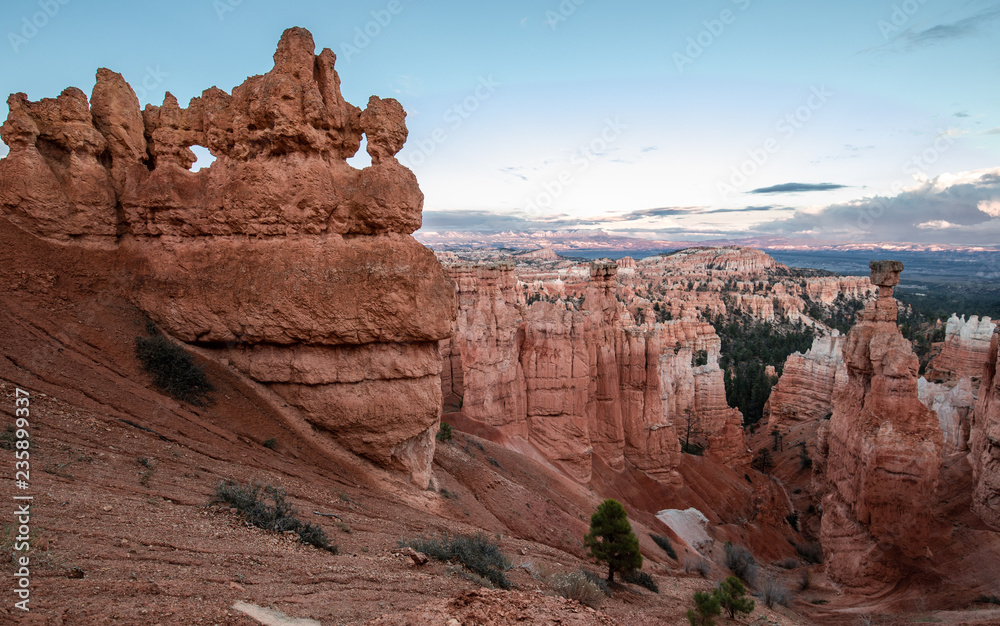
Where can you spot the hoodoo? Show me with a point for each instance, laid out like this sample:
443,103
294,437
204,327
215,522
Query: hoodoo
883,452
298,268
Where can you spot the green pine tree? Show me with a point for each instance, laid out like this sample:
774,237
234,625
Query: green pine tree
706,607
611,539
731,595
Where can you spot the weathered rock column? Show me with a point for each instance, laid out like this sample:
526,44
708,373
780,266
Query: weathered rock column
883,453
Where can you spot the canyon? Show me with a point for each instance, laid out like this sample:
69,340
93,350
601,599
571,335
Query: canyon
339,347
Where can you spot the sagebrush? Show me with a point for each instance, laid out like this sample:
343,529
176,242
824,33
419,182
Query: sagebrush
250,501
474,552
173,369
664,544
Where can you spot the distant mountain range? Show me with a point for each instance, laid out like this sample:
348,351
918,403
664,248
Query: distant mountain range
570,241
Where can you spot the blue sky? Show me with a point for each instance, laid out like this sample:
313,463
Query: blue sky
855,120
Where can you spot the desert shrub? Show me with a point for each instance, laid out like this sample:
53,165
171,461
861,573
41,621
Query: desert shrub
773,592
173,369
665,544
706,607
732,597
805,579
788,563
698,565
250,501
740,562
811,552
793,519
474,552
445,432
643,579
596,578
577,586
988,599
270,444
7,438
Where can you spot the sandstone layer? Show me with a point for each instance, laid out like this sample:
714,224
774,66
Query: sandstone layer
984,454
808,384
880,454
965,350
281,257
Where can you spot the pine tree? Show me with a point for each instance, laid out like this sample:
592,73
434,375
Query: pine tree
706,607
732,597
611,539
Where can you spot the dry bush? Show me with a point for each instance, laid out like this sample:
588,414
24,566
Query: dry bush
577,586
695,564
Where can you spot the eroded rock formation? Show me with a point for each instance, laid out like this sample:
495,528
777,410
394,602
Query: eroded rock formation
281,257
953,406
809,382
881,453
965,349
984,455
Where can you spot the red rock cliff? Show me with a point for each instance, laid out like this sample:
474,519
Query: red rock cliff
281,257
808,384
984,444
965,350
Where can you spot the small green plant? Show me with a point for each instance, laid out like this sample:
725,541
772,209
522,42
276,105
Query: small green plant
985,599
270,444
445,432
642,579
706,607
611,539
250,502
173,369
665,544
474,552
732,597
793,519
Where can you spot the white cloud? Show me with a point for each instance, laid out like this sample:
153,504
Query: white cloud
990,207
936,225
